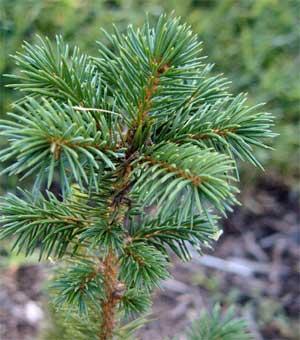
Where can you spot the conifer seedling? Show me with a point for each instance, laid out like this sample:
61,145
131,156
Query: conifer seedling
144,143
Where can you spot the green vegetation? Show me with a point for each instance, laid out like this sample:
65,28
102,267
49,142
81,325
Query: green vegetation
144,142
216,326
255,43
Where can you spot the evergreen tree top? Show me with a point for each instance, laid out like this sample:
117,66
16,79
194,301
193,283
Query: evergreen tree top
144,142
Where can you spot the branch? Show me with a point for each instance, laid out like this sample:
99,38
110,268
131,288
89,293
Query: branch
54,136
198,231
227,125
185,173
142,266
79,284
56,72
47,225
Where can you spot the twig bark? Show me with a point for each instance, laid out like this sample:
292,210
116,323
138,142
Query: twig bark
113,293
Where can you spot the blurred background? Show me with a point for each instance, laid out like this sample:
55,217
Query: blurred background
255,265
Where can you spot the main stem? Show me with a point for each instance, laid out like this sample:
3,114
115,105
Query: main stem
113,288
112,295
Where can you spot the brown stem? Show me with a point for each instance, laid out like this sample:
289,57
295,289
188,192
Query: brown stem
196,180
114,289
145,104
113,293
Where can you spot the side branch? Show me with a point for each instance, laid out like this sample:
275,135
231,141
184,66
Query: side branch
195,179
219,132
